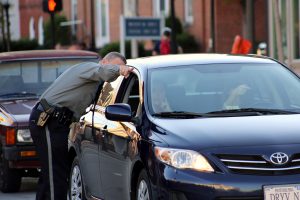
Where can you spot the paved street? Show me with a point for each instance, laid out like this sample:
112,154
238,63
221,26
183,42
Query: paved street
27,191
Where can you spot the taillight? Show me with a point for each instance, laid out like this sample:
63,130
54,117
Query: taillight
10,135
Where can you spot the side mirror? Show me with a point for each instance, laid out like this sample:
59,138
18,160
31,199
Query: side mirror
118,112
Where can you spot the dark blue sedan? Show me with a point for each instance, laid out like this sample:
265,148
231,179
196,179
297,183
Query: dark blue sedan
191,127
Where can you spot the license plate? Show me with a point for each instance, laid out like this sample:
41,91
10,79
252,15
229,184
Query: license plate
282,192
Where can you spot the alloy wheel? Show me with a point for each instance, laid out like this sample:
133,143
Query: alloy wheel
143,191
76,184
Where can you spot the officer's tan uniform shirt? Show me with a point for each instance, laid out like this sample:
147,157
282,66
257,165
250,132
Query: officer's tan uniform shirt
77,86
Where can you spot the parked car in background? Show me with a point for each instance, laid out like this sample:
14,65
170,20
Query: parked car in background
24,76
186,127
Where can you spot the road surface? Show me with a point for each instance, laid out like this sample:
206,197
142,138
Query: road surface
27,191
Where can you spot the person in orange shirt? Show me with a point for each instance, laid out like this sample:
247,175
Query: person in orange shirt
241,45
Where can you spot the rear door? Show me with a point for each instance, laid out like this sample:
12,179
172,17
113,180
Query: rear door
89,160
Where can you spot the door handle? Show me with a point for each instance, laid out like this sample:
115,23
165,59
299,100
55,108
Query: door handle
81,121
104,131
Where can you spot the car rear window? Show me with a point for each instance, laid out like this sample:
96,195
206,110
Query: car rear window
31,78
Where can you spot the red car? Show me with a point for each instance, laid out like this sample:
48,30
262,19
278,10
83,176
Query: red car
24,76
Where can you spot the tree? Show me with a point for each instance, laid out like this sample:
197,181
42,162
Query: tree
178,24
62,33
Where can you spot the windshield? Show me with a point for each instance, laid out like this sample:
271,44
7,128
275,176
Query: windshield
222,87
31,78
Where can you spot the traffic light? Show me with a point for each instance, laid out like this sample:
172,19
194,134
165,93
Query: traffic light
52,6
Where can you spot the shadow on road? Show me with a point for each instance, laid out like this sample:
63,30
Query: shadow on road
29,185
27,191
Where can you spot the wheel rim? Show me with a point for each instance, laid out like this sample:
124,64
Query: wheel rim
143,191
76,184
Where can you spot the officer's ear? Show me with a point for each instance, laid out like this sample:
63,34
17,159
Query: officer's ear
104,61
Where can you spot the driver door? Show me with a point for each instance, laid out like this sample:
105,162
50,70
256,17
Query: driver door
119,144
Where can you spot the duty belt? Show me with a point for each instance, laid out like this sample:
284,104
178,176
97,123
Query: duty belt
62,114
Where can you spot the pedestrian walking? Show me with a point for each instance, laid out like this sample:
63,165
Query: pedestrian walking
61,104
163,47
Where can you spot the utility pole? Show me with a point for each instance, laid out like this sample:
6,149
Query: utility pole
53,29
2,24
134,43
93,46
249,21
6,9
173,33
278,31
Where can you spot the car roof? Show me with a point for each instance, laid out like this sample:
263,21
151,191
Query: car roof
46,55
187,59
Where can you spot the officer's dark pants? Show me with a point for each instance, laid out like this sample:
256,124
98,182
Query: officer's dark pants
52,146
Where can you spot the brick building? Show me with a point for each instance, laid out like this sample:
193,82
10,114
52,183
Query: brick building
209,21
218,24
26,19
213,23
32,19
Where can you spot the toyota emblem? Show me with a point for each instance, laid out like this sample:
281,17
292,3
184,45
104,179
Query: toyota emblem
279,158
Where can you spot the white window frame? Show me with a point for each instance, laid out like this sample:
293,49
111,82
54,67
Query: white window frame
157,10
189,19
31,29
129,7
290,59
41,30
101,40
74,16
295,59
14,17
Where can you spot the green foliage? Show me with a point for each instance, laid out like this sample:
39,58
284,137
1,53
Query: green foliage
178,25
187,43
115,46
22,44
62,33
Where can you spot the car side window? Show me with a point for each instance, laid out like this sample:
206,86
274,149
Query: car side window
108,92
131,95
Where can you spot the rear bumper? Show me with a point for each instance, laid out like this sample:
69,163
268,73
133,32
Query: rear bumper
17,158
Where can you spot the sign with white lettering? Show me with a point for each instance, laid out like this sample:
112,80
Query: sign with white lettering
142,28
139,28
282,192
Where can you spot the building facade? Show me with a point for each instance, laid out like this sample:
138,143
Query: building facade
287,42
213,23
32,19
26,19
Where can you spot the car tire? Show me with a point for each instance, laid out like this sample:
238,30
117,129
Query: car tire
76,187
143,187
10,179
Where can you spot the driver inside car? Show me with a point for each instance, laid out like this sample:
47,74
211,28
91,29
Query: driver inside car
234,99
159,98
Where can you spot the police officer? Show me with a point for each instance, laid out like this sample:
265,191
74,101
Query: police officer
65,100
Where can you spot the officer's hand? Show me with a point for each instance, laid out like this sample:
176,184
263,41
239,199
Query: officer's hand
125,70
